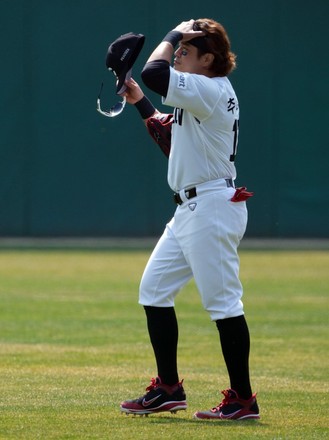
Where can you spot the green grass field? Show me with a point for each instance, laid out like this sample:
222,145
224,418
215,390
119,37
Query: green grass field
73,344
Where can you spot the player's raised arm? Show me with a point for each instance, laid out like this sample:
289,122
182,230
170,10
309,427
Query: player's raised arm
184,31
155,74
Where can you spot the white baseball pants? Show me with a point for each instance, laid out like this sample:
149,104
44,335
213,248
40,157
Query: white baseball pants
200,241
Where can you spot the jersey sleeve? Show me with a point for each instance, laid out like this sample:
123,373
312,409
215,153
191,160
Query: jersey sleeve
197,94
155,76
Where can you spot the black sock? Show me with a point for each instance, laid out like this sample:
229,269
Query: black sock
235,342
163,330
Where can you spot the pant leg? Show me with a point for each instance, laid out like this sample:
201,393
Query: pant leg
166,272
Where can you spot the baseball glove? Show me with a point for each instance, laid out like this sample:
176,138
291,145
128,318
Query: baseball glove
159,127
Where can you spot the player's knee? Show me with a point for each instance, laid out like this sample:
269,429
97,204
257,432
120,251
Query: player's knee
224,310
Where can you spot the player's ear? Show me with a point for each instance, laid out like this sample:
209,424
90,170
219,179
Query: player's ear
208,59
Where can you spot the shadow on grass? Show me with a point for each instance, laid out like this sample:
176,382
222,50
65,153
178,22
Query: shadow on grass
161,420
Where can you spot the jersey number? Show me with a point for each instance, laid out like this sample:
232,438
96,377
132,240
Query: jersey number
235,140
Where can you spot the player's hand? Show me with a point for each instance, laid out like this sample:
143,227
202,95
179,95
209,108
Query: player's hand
186,28
133,93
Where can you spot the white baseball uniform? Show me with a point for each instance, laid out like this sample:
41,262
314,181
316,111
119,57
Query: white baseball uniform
201,240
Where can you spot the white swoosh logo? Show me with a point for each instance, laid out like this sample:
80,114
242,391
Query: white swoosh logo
149,402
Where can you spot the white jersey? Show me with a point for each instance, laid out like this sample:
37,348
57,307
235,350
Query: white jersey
205,129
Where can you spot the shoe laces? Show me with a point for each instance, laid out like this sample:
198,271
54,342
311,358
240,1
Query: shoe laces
227,396
155,381
227,399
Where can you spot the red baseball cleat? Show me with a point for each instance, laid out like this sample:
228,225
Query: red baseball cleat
159,397
232,407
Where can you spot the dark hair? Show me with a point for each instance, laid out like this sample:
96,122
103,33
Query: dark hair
217,43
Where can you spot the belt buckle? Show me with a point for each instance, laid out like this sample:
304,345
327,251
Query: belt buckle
189,194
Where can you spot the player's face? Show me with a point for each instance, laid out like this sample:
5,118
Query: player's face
186,59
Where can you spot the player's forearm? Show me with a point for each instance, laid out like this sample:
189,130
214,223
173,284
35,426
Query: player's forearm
162,52
165,50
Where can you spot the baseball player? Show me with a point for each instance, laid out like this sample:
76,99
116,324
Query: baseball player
201,240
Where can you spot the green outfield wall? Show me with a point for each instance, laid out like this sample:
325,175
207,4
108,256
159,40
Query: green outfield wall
67,171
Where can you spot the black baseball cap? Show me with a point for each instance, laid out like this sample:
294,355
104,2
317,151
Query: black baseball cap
121,55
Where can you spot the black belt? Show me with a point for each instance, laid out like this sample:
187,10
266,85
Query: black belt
190,193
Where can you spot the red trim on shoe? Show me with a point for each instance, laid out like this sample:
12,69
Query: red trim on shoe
232,407
159,397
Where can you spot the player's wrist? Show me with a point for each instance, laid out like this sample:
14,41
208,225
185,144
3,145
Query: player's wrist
145,107
173,37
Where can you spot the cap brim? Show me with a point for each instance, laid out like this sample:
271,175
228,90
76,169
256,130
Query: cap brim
121,87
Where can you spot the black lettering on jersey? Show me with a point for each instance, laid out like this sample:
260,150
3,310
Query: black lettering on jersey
178,116
231,105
